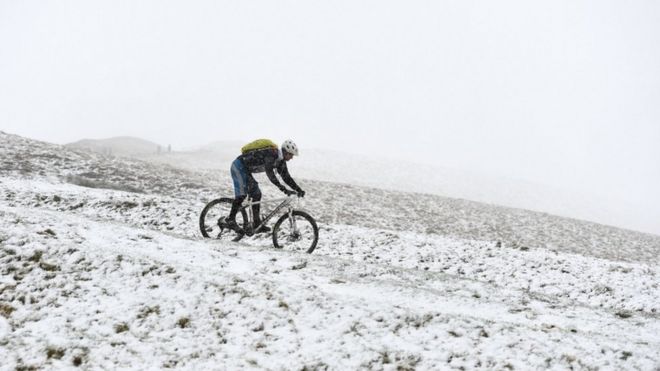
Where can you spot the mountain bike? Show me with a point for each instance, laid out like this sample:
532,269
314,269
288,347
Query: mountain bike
295,229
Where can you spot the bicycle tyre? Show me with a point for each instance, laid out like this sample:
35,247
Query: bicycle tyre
282,243
211,214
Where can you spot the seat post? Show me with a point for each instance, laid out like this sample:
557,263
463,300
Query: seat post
249,209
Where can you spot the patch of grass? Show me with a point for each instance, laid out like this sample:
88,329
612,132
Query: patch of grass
146,311
568,358
36,257
623,314
602,289
48,267
300,266
172,363
385,357
419,321
153,268
121,327
47,232
56,353
407,362
127,205
315,367
77,206
183,322
6,310
80,357
355,328
77,360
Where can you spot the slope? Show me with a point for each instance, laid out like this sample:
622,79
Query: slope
102,267
103,294
330,202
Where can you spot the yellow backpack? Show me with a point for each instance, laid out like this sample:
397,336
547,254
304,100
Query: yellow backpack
258,144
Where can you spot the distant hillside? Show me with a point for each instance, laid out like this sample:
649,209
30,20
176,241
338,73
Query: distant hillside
388,174
120,146
216,155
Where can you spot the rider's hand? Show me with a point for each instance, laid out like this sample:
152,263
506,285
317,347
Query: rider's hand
288,192
301,193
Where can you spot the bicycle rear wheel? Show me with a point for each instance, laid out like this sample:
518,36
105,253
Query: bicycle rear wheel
212,220
298,233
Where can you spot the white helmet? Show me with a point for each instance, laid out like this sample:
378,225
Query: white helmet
290,147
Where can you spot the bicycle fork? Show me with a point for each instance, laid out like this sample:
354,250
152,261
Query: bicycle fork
249,213
292,224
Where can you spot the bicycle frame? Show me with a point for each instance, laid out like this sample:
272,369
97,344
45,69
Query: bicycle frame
287,203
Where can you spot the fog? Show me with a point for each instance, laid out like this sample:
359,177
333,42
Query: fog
564,93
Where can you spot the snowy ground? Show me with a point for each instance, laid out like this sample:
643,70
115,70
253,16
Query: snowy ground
119,278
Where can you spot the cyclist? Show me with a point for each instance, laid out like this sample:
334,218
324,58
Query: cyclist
256,161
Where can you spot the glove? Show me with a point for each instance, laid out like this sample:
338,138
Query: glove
301,193
287,192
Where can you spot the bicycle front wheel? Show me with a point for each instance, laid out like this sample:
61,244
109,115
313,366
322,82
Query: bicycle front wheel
212,220
298,233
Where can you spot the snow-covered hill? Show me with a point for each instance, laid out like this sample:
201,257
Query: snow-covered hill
335,203
103,267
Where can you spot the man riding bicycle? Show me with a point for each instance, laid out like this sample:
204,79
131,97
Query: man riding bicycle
259,160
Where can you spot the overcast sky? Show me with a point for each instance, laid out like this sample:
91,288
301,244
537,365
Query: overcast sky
562,92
